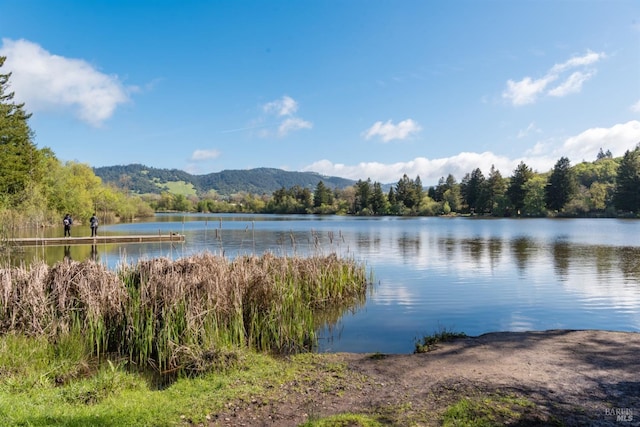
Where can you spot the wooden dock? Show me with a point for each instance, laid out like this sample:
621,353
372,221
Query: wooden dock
98,240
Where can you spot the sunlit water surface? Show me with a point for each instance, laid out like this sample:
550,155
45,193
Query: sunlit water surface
459,274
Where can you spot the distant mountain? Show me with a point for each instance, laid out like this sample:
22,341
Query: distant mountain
143,179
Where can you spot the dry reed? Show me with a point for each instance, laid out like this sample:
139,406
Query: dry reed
160,312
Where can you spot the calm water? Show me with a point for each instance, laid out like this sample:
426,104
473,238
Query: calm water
469,275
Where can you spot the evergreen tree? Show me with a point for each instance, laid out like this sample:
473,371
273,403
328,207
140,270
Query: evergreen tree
495,189
322,195
561,185
431,192
516,190
363,196
21,163
602,155
391,197
438,191
405,191
378,201
627,192
394,207
303,198
471,190
417,192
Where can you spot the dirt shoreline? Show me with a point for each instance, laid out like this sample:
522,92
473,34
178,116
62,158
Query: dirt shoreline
572,378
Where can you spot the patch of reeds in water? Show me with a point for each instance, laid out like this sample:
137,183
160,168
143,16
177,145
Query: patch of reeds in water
167,314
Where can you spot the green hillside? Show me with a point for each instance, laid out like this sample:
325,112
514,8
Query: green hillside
141,179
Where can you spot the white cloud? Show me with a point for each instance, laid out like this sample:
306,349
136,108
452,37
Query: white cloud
578,61
540,148
388,131
586,145
541,157
285,106
636,107
573,84
284,110
429,170
527,90
46,82
203,155
291,124
530,129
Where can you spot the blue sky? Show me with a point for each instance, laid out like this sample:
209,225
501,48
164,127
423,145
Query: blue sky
352,88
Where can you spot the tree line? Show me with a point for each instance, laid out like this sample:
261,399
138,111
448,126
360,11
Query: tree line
604,187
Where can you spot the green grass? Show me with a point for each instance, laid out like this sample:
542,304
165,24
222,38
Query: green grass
71,388
430,342
42,388
489,411
345,420
179,187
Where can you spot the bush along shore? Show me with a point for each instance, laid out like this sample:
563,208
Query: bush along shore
181,317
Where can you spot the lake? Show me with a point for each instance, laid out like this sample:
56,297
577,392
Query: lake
460,274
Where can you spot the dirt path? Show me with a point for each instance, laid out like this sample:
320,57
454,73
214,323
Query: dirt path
573,378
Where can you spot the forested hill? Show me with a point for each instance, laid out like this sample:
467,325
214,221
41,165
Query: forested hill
266,180
143,179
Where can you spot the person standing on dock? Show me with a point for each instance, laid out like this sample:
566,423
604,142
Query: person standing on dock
67,221
93,223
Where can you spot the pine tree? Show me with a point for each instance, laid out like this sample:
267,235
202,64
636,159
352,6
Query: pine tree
363,196
21,163
627,193
516,191
378,201
495,189
418,191
322,195
471,191
405,191
561,185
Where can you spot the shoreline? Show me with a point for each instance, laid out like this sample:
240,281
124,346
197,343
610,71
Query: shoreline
566,377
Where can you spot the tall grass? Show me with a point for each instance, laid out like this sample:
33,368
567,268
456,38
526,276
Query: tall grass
172,315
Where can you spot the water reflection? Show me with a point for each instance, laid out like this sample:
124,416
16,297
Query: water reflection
53,254
472,275
495,251
561,259
629,262
523,249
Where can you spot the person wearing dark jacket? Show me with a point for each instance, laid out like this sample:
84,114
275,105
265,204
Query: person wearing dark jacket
93,223
67,221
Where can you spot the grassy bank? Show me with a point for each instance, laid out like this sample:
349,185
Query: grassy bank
160,342
45,384
179,317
